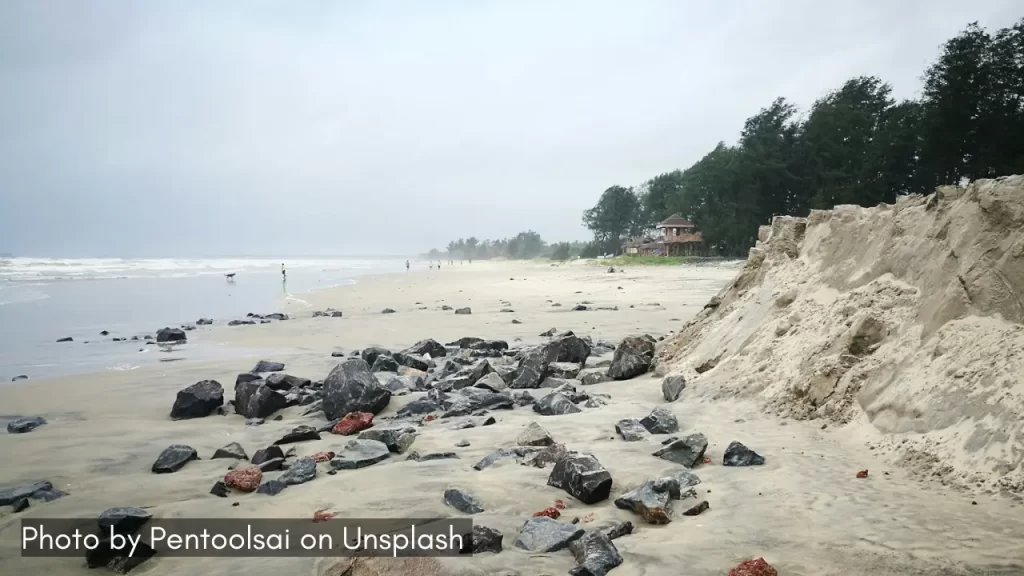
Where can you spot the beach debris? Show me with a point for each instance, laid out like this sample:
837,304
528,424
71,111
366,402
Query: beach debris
353,422
756,567
549,455
633,357
301,433
595,555
697,509
233,450
862,474
660,421
462,501
267,366
351,387
360,454
170,335
463,311
534,435
272,487
550,512
322,515
543,534
486,539
630,429
66,339
582,476
245,479
555,404
739,455
220,489
687,451
173,458
25,424
651,500
397,439
672,387
619,530
198,400
301,471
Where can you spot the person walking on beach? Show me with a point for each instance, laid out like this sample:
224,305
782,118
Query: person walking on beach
406,265
283,273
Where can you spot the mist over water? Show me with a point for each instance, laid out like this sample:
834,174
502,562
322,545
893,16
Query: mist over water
42,300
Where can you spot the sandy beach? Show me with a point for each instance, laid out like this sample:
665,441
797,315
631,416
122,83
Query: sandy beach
804,510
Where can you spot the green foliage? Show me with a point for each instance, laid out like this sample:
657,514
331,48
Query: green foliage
522,246
857,145
561,251
647,260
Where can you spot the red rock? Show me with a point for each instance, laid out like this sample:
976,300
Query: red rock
322,515
549,512
862,474
244,479
429,418
559,504
323,456
707,460
353,422
753,568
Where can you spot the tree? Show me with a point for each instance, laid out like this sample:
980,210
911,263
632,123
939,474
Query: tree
561,251
657,200
470,249
615,216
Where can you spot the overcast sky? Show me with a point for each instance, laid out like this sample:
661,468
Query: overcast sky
318,127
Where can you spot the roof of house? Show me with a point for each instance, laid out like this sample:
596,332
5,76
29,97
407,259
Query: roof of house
675,221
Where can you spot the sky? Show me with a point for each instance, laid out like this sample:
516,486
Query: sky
324,127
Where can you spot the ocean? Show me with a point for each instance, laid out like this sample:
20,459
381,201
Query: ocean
43,300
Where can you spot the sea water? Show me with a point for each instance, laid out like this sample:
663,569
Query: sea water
43,300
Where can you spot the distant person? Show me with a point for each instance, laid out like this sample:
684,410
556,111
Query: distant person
283,272
431,264
406,265
438,264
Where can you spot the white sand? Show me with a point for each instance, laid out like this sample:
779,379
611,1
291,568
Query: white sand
803,511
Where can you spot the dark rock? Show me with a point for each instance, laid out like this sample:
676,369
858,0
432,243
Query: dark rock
398,439
240,322
532,367
125,520
660,421
246,377
685,478
549,455
590,377
516,321
595,555
198,400
489,421
284,382
115,559
173,458
267,454
384,363
104,333
652,500
739,455
170,335
204,321
697,509
360,454
419,407
687,451
524,399
428,346
565,370
300,433
534,435
672,387
489,345
469,400
633,357
570,348
25,424
337,354
555,404
543,534
272,465
272,487
416,456
351,387
267,366
19,377
503,454
48,495
579,308
301,471
583,477
462,444
387,311
412,361
19,505
491,381
465,310
630,429
486,539
620,530
255,399
276,316
462,501
465,342
233,450
254,421
369,355
220,489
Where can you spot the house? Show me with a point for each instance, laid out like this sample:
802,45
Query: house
678,238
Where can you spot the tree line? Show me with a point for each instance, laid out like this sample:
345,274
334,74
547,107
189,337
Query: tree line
522,246
856,145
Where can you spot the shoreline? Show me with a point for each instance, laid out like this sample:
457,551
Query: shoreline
105,430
